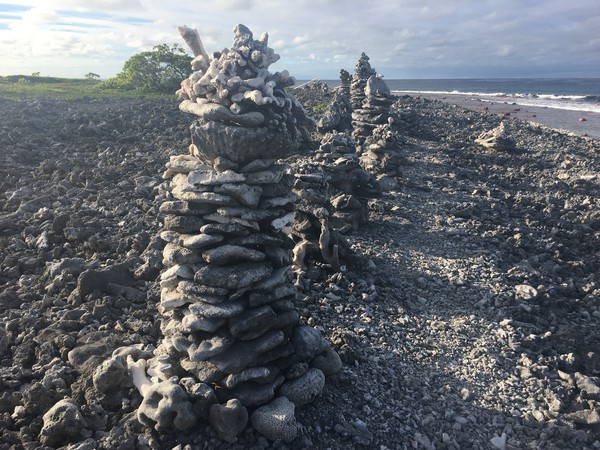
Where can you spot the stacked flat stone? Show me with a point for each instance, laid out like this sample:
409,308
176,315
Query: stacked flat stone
350,186
375,110
362,72
229,324
381,155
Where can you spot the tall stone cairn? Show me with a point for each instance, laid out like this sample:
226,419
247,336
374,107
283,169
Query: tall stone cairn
362,72
374,111
231,333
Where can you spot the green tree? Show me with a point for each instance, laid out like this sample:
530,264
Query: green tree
160,70
92,76
35,74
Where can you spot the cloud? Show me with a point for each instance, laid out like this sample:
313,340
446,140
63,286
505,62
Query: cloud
403,38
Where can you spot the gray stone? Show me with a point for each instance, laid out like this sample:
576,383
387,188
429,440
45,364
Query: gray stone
252,225
182,224
229,420
247,195
241,144
248,213
252,323
205,197
377,87
199,240
257,165
203,371
209,347
257,239
200,289
62,423
211,177
111,375
329,362
308,342
244,353
225,228
219,113
279,276
274,202
192,323
305,389
251,393
201,395
226,254
234,277
223,310
269,176
259,375
181,208
174,254
276,420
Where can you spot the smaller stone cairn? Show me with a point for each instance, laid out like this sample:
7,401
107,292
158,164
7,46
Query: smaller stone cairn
338,115
345,82
362,72
381,155
375,110
311,230
350,186
232,340
497,139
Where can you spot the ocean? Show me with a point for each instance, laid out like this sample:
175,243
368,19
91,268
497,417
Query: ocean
572,104
575,94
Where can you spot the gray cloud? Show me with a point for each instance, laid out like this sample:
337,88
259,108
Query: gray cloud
404,38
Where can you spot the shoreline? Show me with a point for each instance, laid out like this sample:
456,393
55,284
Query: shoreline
563,120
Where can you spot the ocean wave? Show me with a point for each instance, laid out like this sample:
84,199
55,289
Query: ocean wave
587,103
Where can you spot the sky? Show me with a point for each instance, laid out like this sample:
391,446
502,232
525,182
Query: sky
315,38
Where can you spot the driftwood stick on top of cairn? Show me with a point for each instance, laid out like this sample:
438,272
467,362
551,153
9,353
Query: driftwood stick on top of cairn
232,339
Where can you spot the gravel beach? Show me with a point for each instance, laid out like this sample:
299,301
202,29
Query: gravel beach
469,321
582,123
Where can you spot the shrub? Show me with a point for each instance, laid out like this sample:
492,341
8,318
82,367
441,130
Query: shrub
160,70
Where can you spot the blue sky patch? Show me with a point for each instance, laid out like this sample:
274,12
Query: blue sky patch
78,25
9,17
9,7
134,20
103,16
85,15
3,26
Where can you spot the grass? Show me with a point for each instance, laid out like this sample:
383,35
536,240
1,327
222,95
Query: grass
23,88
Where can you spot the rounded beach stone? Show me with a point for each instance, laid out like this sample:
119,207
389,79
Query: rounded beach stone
305,389
308,342
276,420
329,362
62,423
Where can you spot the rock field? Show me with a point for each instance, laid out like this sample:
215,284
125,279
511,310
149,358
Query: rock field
470,319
